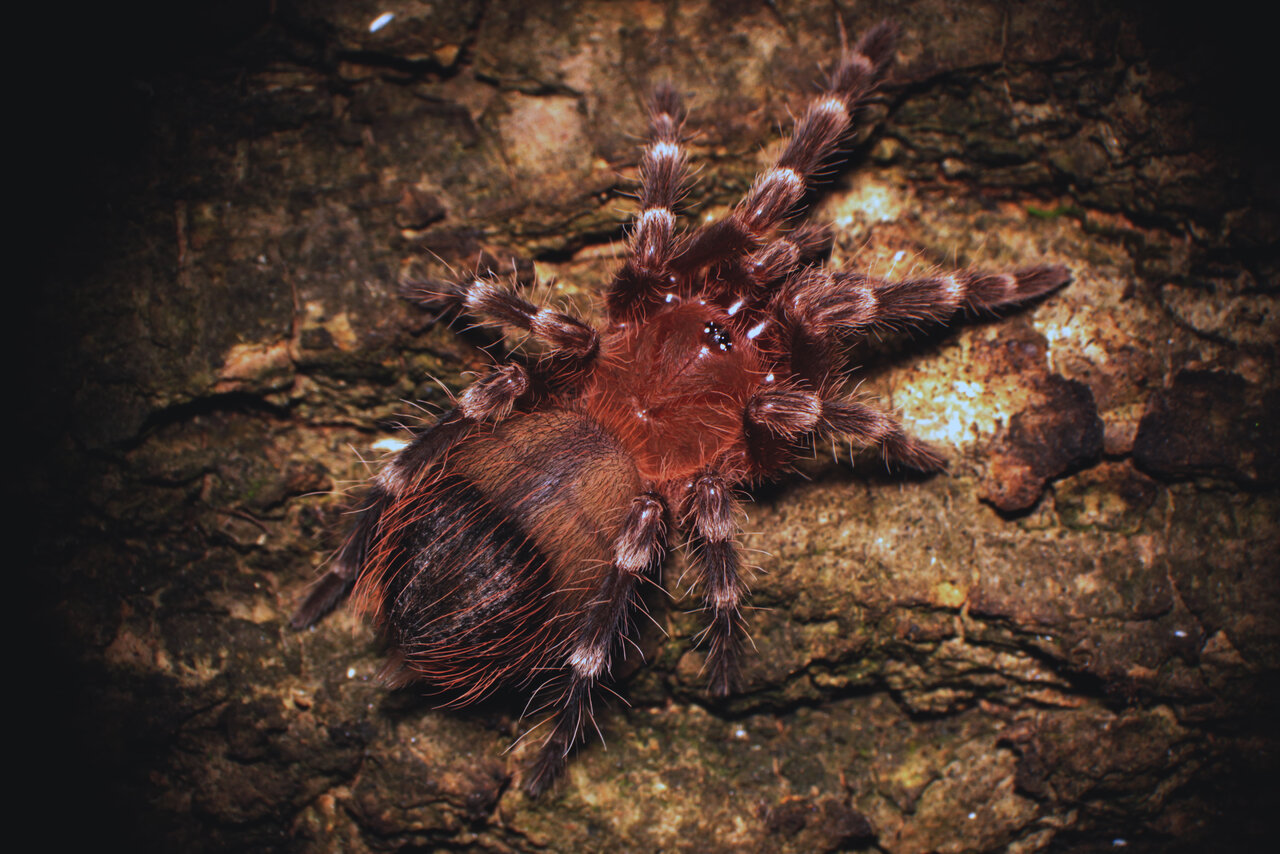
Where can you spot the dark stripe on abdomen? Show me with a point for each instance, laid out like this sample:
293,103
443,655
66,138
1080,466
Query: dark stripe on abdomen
469,598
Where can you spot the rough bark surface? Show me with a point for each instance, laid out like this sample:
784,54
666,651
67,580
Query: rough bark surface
1069,642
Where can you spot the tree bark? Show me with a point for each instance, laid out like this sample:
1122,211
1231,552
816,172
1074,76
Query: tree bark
1069,641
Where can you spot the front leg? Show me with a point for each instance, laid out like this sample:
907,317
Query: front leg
663,175
830,302
602,622
777,192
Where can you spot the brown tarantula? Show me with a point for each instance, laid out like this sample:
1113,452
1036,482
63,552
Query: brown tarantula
504,545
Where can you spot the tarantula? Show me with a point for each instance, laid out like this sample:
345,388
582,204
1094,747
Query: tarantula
504,545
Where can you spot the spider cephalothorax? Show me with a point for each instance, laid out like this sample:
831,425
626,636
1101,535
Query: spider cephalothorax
504,545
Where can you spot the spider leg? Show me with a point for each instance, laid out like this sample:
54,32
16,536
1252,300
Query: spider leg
780,259
663,173
489,399
827,301
777,192
335,585
494,304
603,620
793,414
711,510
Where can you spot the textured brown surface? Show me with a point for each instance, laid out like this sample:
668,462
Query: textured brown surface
229,204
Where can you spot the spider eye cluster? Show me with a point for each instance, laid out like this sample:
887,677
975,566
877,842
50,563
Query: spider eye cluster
718,336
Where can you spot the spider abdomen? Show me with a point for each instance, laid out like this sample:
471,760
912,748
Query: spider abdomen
477,569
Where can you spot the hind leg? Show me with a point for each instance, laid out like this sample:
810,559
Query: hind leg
489,399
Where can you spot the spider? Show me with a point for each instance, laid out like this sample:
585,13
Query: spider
504,545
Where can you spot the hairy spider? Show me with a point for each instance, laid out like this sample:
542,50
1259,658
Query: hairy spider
504,545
